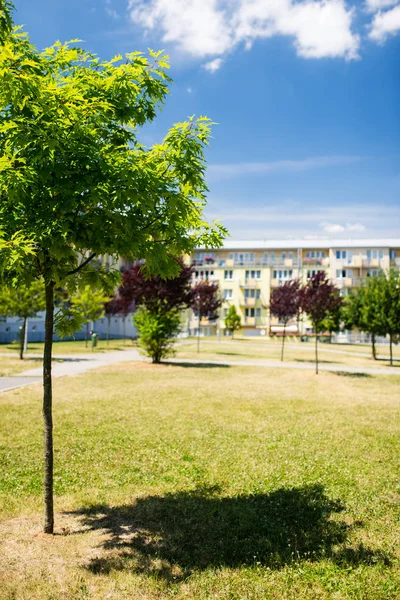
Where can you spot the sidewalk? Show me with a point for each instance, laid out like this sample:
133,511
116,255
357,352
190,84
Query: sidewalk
72,365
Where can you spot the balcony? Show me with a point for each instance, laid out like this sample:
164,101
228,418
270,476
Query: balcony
249,301
347,282
318,262
249,321
249,284
372,262
395,262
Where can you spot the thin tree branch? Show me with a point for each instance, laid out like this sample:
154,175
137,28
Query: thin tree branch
85,262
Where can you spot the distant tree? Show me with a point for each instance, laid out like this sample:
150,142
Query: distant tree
5,301
157,330
233,322
88,303
285,303
333,322
364,309
320,298
206,302
111,308
390,307
26,301
158,295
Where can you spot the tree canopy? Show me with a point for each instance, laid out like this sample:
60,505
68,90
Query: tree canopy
76,183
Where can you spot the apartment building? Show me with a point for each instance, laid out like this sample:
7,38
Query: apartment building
248,271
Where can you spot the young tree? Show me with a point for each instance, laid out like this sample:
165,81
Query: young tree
285,303
159,296
320,298
390,307
88,303
157,330
364,309
76,183
233,322
26,301
206,302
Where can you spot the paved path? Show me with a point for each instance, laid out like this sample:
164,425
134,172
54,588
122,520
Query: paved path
270,364
73,364
77,364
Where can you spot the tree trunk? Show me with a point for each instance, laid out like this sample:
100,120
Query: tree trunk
22,340
108,330
47,411
124,329
198,335
373,346
87,334
283,342
391,350
316,352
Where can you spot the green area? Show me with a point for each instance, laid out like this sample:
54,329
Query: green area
72,347
204,482
301,352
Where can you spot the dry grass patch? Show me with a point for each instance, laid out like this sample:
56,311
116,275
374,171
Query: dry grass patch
196,482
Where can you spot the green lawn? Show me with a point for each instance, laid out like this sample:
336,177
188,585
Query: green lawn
194,482
72,347
301,352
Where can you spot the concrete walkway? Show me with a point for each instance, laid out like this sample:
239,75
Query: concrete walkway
73,364
77,364
270,364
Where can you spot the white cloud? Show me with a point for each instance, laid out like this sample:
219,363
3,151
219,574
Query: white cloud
355,227
319,28
374,5
332,227
110,10
213,65
224,171
338,228
385,24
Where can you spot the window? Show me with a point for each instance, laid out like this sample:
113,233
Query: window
228,294
253,274
372,272
242,257
225,312
323,254
249,312
272,255
312,272
204,274
393,254
283,274
258,312
283,255
228,274
291,255
252,294
343,273
265,256
374,254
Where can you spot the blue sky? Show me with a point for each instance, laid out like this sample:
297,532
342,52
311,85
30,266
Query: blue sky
306,94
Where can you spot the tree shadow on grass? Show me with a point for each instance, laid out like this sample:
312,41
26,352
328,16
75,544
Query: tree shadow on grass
173,535
193,365
352,374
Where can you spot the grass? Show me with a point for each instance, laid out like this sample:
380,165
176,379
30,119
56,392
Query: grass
300,352
72,347
224,483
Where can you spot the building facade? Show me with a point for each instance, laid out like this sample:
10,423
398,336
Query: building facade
248,271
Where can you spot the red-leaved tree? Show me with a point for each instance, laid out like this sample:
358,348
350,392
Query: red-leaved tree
320,298
285,303
206,302
156,293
